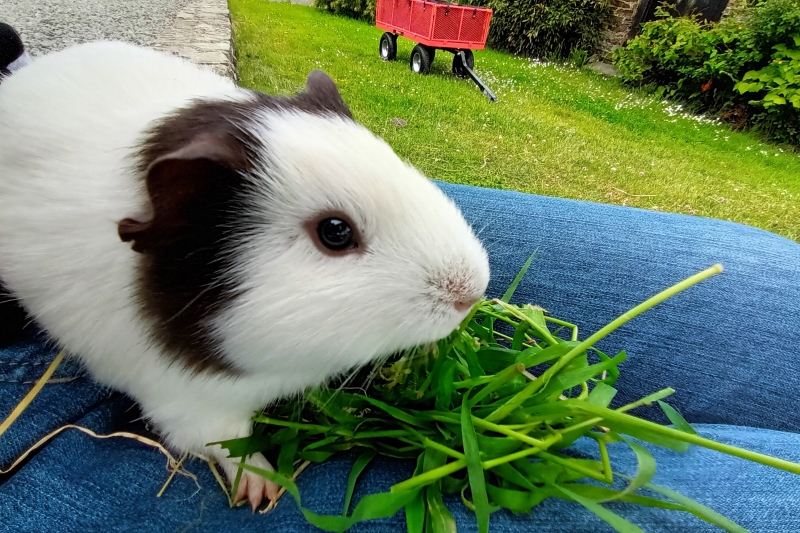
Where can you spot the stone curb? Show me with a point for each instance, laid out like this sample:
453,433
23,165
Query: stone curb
201,33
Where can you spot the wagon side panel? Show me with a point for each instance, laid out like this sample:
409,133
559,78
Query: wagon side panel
421,18
475,27
445,27
383,14
401,18
460,27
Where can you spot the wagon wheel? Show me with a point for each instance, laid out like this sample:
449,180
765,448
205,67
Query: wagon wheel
388,47
421,59
458,64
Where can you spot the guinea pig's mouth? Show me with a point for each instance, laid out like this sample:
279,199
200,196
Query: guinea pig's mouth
455,307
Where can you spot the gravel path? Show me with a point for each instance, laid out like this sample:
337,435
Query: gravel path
49,25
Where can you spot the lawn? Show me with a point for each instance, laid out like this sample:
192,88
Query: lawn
556,130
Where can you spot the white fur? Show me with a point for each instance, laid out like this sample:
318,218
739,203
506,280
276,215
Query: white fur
18,63
70,122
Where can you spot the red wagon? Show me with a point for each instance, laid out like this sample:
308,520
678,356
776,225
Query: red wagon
434,24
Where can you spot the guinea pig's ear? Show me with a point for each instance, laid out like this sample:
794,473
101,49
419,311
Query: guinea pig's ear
322,94
184,187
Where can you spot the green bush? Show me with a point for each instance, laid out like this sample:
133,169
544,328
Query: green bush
773,22
357,9
685,58
778,84
705,64
546,28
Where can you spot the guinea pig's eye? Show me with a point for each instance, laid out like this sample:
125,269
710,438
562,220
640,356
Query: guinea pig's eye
336,234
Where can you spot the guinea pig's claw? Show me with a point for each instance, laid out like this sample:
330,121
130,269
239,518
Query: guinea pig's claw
254,489
241,492
255,492
273,491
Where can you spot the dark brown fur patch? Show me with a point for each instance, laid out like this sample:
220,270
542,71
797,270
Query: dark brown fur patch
194,164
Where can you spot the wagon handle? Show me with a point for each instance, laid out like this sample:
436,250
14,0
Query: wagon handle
447,9
474,12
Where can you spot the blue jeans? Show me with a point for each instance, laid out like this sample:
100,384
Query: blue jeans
730,346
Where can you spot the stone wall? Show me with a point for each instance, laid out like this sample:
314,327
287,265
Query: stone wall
734,6
201,33
622,25
627,15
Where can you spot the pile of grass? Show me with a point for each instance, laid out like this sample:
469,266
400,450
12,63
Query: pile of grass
490,412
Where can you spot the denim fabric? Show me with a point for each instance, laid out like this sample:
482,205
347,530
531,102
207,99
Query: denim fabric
67,397
729,346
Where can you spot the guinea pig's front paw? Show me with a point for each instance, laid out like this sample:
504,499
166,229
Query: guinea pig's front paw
252,487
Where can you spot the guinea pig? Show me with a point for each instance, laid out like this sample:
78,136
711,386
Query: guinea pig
12,52
208,249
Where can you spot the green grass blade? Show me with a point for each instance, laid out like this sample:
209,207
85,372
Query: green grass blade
646,469
287,456
497,446
632,429
330,403
477,478
430,476
602,395
415,514
245,445
519,336
310,428
570,378
465,344
395,412
533,357
699,510
482,332
516,501
600,494
358,467
675,417
315,457
521,274
663,435
647,400
496,359
536,315
636,427
613,372
415,511
609,517
500,379
321,443
439,519
507,472
447,386
578,466
380,505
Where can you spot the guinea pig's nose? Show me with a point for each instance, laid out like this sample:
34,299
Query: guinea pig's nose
459,286
465,304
